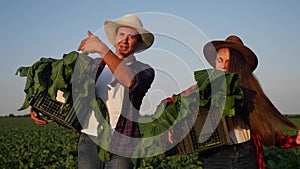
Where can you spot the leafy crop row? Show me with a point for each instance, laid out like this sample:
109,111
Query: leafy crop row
23,144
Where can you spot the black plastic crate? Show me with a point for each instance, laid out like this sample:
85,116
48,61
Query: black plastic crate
191,143
62,113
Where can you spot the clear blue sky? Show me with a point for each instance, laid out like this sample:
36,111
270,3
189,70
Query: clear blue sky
34,29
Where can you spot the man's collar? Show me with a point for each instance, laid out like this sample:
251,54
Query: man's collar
129,59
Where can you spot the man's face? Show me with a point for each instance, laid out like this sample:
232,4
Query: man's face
222,59
126,41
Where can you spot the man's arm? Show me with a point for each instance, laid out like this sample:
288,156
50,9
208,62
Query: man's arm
121,71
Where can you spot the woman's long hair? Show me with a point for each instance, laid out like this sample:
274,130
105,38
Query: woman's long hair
264,118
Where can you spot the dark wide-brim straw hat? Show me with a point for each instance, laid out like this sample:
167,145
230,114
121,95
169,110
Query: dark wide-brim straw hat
132,21
210,50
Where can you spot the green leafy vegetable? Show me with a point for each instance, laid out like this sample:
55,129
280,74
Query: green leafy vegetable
49,74
214,89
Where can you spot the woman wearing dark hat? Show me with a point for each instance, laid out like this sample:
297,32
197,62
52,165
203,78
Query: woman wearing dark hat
258,122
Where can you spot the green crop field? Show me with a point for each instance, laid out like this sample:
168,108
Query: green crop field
23,144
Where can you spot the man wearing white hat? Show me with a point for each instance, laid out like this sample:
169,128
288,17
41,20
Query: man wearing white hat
122,83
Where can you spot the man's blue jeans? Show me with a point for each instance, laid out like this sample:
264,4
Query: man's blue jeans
119,162
88,156
87,153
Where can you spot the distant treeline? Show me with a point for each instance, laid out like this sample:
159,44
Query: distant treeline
292,115
12,115
28,115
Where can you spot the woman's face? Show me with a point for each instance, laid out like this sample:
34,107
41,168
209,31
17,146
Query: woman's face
222,59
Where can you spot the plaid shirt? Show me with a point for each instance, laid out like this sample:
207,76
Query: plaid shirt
283,141
259,152
287,142
127,132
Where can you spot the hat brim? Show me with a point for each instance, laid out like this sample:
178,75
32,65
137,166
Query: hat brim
210,52
110,28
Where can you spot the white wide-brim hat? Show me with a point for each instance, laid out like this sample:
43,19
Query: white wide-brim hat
132,21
